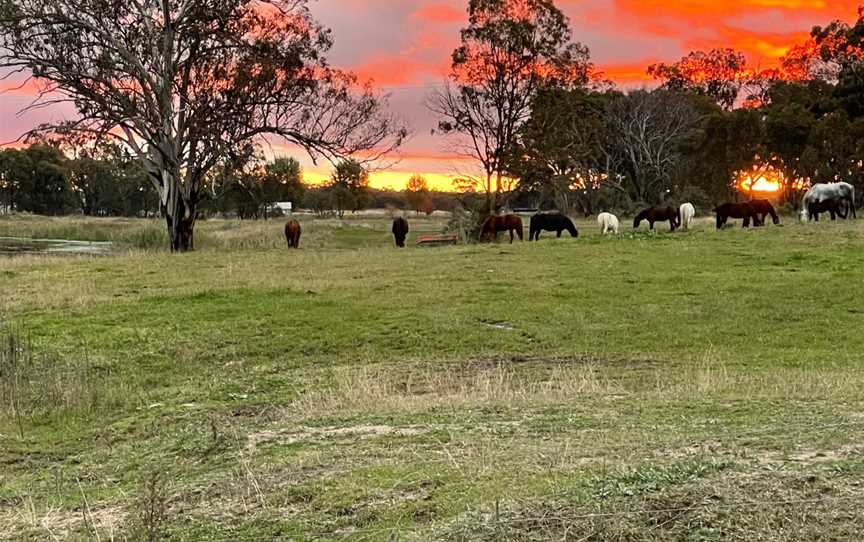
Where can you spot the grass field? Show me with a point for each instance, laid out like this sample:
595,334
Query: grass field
692,386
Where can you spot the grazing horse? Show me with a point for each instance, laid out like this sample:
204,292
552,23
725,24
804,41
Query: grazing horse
495,224
551,222
292,233
736,210
763,208
685,215
832,207
608,223
657,214
400,231
828,197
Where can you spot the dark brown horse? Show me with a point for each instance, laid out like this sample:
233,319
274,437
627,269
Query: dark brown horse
763,208
495,224
292,233
736,210
658,214
400,231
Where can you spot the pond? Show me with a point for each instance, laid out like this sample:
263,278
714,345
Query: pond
12,246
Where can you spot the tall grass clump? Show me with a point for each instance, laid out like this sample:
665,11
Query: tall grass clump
36,385
149,235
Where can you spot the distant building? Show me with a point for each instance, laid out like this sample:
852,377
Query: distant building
285,206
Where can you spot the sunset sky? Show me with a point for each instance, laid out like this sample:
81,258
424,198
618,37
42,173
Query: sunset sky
404,46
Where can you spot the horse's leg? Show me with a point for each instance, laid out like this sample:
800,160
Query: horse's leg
559,233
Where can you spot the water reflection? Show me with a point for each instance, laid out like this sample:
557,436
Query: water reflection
12,246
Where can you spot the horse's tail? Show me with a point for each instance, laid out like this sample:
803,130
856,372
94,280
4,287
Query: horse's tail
639,218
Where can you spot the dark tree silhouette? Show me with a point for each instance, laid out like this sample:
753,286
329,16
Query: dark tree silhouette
719,74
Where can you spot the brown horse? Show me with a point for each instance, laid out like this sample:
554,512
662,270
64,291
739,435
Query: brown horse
495,224
292,233
658,214
400,231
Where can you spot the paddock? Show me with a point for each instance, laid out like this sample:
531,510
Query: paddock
646,370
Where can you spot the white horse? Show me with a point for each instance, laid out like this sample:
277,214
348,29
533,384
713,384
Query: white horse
686,214
829,198
608,223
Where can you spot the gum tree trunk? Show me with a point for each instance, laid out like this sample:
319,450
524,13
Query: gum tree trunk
179,207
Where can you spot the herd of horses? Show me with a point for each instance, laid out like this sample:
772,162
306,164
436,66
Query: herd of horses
836,199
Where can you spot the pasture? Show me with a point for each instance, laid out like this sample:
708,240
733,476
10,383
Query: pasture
701,385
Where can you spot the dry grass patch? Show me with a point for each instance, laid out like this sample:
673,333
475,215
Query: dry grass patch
393,390
719,379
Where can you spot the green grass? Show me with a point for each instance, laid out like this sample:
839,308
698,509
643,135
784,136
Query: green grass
698,386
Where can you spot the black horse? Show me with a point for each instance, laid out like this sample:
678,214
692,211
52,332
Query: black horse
400,231
658,214
551,222
834,208
736,210
763,208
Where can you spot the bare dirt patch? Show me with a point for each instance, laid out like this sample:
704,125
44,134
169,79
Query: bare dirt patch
292,436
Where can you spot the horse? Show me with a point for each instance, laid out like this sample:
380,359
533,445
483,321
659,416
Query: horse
827,197
608,223
736,210
685,215
495,224
400,231
763,208
551,222
833,207
292,233
657,214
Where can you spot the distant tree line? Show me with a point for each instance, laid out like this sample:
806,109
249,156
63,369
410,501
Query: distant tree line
58,178
106,182
546,130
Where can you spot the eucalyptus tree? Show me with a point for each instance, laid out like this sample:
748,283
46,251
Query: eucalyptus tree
645,138
510,50
191,84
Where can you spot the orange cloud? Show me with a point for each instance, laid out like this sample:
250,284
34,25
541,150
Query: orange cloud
628,73
399,69
700,9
